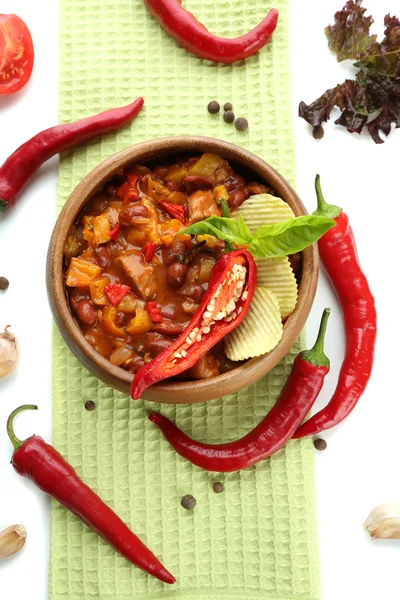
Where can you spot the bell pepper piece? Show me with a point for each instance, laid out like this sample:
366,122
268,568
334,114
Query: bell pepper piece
206,165
176,174
177,198
157,190
231,286
101,229
97,291
115,292
128,191
109,314
115,232
153,310
221,193
81,273
175,210
141,323
127,304
149,250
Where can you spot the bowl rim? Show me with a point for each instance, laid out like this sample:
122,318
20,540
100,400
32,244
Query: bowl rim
144,152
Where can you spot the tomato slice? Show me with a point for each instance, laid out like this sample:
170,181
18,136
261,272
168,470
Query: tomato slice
16,54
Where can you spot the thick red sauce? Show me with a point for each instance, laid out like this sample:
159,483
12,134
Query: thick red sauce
172,273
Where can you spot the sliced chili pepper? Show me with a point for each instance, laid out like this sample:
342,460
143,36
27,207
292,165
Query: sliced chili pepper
177,211
40,462
338,252
153,310
115,292
186,30
224,305
26,160
128,190
149,250
115,232
297,397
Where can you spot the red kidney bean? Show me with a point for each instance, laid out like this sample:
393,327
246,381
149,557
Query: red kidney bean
197,293
128,214
237,197
156,343
173,186
233,182
193,183
86,312
119,318
76,295
136,364
176,275
176,253
168,328
102,255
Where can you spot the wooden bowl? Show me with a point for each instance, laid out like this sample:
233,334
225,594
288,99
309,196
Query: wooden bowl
175,392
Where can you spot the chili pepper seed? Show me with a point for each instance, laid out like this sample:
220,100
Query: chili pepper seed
213,107
241,124
229,116
320,444
90,405
188,502
318,132
4,283
218,487
228,106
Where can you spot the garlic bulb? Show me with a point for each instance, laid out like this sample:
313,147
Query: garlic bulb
9,352
12,540
383,522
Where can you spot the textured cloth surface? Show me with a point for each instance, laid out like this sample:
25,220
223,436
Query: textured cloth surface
257,539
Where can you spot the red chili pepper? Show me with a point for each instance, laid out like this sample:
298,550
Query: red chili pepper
26,160
128,190
115,232
149,250
338,252
115,292
177,211
297,397
233,273
40,462
186,30
153,310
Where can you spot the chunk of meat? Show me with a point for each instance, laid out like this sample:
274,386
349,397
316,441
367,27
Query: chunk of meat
207,366
202,205
141,274
192,183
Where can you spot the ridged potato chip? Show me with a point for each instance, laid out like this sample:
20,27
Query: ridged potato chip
264,209
277,275
261,329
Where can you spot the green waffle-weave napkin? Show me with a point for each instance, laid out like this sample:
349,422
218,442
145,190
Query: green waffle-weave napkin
257,539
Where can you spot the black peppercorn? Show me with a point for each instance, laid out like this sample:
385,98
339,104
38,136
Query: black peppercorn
241,124
229,116
90,405
188,502
318,132
320,444
4,283
213,107
218,487
228,106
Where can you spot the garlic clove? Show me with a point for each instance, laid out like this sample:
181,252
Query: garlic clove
9,352
12,540
383,522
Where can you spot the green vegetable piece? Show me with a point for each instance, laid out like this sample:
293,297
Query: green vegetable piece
222,228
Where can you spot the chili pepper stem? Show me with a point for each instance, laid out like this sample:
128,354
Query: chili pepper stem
10,424
324,209
316,355
3,205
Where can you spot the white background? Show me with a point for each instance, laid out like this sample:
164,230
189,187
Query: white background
360,467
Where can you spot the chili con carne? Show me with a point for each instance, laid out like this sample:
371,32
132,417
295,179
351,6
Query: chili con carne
297,397
26,160
338,253
186,30
40,462
230,291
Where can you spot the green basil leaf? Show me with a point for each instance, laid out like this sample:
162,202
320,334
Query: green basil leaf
288,237
222,228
